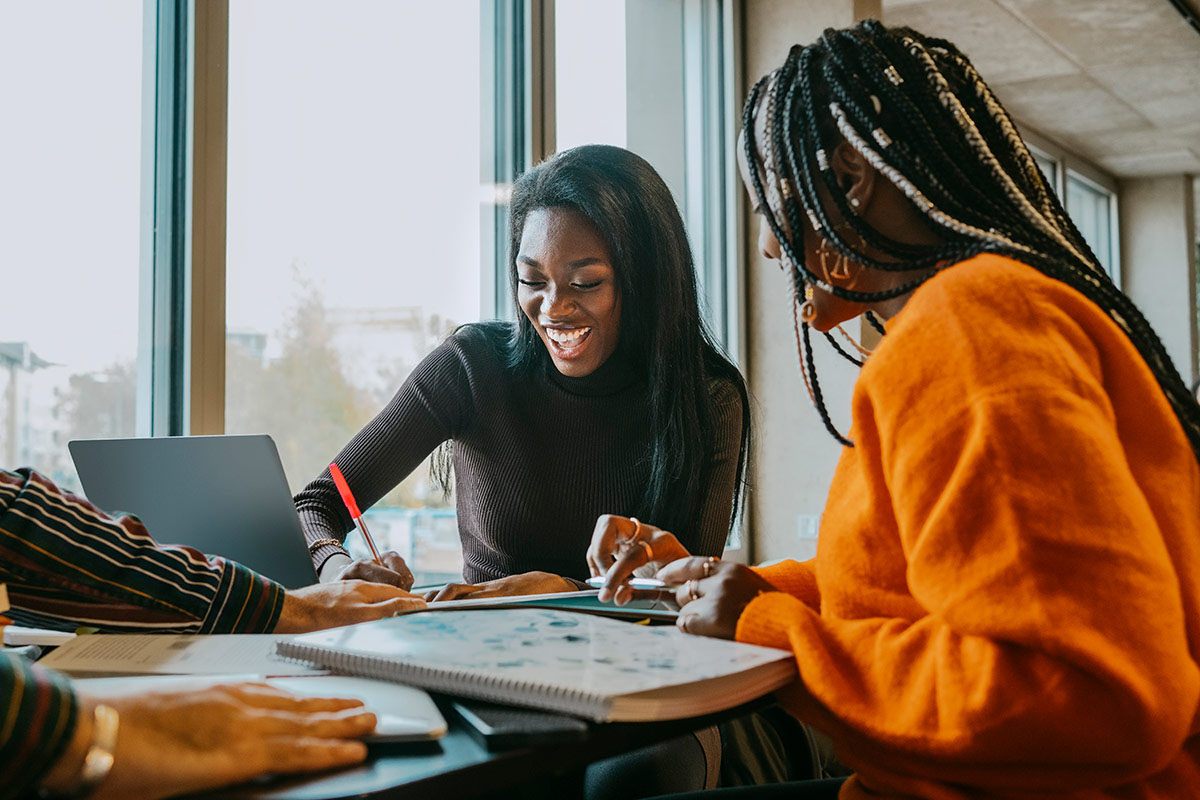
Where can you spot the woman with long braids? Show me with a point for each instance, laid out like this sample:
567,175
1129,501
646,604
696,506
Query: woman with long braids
1005,601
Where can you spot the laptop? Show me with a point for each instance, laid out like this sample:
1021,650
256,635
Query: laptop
223,495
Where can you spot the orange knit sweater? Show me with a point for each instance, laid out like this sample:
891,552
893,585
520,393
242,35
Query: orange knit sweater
1005,601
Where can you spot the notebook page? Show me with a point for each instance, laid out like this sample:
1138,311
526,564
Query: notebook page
542,648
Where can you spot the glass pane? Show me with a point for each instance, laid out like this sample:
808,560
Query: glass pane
1089,207
354,212
589,73
70,165
1049,168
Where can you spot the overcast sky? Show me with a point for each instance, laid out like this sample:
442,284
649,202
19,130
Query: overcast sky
354,158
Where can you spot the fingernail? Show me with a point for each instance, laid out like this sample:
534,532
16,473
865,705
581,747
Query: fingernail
354,750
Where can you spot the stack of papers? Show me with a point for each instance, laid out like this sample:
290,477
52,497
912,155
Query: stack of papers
149,654
18,636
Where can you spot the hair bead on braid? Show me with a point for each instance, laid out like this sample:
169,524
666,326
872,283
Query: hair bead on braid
945,141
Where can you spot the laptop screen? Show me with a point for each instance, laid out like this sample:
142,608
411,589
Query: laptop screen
223,495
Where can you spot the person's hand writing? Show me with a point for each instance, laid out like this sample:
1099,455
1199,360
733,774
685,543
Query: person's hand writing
525,583
712,594
621,545
330,605
179,742
392,571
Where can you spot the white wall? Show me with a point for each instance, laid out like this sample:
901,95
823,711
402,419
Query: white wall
794,455
1158,250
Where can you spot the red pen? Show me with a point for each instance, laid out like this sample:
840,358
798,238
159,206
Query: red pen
343,488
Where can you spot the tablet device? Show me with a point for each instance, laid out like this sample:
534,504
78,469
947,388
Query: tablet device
498,727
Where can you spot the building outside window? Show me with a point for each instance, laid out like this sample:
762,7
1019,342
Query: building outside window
70,165
354,230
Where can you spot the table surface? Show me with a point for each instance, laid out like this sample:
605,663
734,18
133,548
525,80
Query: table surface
459,766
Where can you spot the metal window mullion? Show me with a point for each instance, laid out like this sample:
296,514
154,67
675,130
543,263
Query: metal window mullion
734,209
713,193
165,224
518,124
698,188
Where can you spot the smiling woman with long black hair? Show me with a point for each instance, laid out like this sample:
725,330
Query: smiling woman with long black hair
606,395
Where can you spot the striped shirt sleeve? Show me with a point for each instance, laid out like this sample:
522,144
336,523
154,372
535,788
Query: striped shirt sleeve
37,717
67,563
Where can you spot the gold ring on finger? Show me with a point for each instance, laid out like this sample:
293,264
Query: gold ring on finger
693,588
707,566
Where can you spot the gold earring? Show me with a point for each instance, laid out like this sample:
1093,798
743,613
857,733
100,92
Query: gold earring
841,269
808,311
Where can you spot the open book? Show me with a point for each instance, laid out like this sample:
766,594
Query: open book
172,654
590,666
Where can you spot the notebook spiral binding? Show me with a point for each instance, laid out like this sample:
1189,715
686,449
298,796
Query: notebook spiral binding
465,683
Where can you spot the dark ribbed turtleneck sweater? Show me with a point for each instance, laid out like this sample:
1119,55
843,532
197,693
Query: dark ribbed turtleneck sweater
537,457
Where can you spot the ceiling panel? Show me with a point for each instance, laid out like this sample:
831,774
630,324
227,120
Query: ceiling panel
1072,104
997,43
1115,81
1167,92
1099,33
1149,164
1139,140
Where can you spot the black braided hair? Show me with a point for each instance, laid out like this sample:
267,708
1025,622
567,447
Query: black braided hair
916,109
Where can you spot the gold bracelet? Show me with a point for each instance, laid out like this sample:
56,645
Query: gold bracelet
99,759
319,543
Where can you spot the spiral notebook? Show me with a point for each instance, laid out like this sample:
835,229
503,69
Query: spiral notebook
594,667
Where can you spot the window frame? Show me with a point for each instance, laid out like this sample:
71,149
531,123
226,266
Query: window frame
714,205
1073,174
182,322
1068,163
163,301
182,328
522,127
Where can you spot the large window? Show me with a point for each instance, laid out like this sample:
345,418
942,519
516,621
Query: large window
70,161
658,78
260,217
1091,205
590,73
354,228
